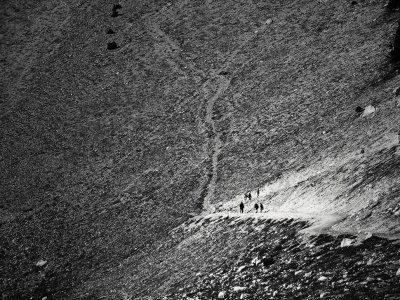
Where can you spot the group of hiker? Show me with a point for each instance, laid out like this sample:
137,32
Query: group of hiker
247,196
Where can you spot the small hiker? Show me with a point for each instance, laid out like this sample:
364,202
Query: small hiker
256,207
241,206
261,207
249,196
258,192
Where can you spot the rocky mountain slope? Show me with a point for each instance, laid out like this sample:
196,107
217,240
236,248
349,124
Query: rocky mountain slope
121,121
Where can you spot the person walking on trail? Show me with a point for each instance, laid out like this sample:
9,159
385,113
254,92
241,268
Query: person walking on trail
241,206
256,207
249,196
261,207
258,192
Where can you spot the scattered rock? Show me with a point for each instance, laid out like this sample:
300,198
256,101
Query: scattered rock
398,272
239,288
256,261
268,22
221,295
267,261
110,31
298,272
240,269
353,3
115,10
368,110
396,91
367,236
322,278
41,263
308,274
346,242
244,296
369,262
112,46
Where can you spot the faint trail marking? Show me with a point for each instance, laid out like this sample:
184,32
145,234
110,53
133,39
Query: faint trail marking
217,143
167,49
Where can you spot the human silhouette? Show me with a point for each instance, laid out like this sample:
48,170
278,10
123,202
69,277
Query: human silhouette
256,207
258,192
241,206
249,196
261,208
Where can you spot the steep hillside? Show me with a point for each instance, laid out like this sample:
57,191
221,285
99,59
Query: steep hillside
120,121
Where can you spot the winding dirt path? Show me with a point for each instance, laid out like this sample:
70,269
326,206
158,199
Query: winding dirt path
217,143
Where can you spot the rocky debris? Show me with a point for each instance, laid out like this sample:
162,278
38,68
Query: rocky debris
368,110
319,267
268,21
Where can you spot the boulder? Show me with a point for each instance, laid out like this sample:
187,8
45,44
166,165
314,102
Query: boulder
41,263
244,296
368,110
396,91
346,242
221,295
398,272
112,46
